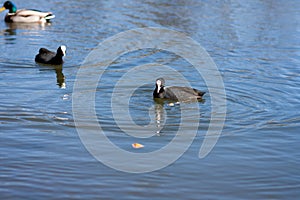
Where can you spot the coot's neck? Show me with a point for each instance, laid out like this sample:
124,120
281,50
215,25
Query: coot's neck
59,54
58,58
156,93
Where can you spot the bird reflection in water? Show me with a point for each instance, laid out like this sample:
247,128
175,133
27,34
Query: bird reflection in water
27,26
60,78
163,106
159,116
13,28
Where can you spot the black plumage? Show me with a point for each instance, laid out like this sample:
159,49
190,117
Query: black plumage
48,57
176,93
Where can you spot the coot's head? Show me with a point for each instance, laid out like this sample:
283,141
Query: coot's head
10,6
62,50
160,83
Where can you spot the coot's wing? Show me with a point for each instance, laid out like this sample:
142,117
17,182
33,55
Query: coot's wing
44,55
171,93
44,50
183,93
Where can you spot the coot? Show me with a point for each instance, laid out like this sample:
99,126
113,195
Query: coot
176,93
48,57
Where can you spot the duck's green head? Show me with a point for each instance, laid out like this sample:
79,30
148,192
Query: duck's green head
10,6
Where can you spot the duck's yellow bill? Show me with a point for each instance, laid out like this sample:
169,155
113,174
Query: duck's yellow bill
2,9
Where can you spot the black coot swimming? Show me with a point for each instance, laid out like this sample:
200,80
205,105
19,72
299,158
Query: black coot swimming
176,93
48,57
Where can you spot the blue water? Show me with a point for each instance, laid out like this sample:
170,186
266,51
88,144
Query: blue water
256,47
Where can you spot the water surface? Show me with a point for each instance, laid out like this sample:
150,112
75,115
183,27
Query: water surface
256,47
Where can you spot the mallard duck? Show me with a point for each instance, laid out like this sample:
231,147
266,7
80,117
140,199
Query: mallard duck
24,15
49,57
175,93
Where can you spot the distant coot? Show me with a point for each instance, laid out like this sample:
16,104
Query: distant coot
176,93
48,57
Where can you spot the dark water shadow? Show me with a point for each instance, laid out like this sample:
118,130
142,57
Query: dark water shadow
60,78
